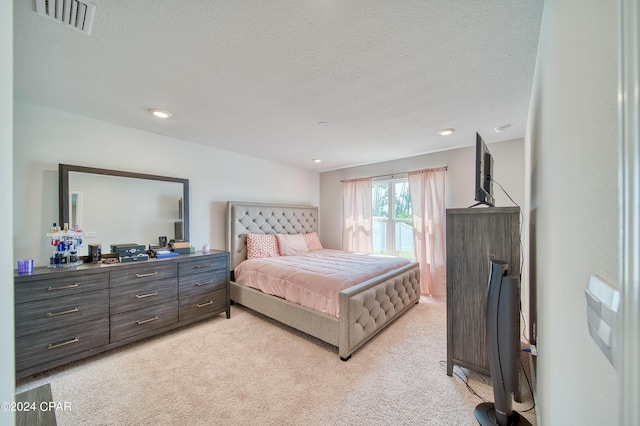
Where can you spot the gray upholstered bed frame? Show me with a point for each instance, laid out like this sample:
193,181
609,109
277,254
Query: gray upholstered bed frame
365,309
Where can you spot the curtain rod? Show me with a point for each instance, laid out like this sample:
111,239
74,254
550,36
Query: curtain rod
396,173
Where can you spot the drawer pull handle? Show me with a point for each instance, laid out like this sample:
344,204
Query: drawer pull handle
142,296
147,320
147,275
201,284
203,266
55,314
63,287
52,346
202,305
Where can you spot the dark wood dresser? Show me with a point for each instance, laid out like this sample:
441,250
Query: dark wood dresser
475,236
63,315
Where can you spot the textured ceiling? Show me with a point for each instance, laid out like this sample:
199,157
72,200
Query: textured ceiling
256,77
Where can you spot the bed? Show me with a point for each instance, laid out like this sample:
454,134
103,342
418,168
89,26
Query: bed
362,310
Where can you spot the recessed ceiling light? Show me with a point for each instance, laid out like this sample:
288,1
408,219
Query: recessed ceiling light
160,113
502,128
323,123
317,160
446,132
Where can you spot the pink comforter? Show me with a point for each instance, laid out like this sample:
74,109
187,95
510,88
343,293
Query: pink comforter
314,279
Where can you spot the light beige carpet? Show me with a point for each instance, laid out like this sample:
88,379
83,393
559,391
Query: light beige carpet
251,370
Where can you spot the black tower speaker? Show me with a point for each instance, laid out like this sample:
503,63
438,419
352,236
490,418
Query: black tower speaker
503,347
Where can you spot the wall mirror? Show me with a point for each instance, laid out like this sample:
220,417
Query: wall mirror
117,207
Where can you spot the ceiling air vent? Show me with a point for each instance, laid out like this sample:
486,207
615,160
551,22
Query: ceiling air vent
73,13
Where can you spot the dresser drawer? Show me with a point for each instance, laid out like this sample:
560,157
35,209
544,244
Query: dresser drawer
47,314
140,295
143,320
134,274
204,305
48,346
27,290
195,284
203,264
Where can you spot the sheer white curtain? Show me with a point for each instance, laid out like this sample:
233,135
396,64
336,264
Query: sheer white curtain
428,215
356,213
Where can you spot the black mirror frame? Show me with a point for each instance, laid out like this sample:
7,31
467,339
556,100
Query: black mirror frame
63,188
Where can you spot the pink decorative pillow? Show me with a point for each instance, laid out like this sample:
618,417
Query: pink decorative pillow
312,241
262,245
291,244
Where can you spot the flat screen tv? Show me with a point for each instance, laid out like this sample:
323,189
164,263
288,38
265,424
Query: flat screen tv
484,174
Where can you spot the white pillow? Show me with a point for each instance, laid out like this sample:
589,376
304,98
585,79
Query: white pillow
291,244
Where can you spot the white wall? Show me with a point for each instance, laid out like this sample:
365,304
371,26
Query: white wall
459,181
572,161
7,355
45,137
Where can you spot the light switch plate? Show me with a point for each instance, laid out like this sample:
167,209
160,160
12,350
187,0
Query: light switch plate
603,305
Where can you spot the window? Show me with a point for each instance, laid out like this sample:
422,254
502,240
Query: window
392,226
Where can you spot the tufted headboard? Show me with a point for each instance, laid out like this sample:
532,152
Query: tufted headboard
256,218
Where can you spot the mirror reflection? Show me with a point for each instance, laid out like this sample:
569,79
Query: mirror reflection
124,208
75,208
